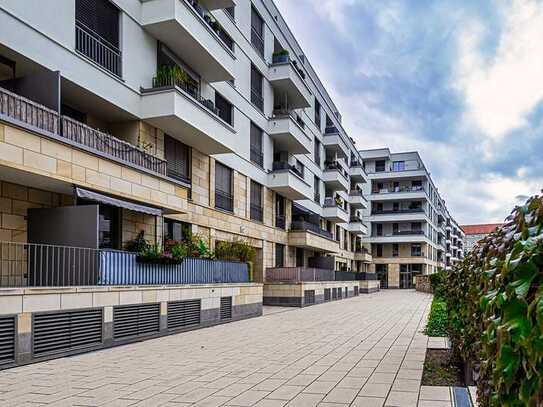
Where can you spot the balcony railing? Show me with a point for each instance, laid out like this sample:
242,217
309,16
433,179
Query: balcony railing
298,274
257,99
212,23
400,233
224,200
188,88
21,110
41,265
282,166
331,130
280,221
397,211
97,49
257,156
355,192
257,41
335,166
284,113
392,190
409,165
302,225
330,202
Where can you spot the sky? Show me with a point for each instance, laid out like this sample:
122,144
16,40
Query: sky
460,81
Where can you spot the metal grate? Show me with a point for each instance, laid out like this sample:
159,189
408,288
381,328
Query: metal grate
355,291
184,313
334,293
136,320
226,307
309,297
327,294
346,292
7,340
66,331
339,293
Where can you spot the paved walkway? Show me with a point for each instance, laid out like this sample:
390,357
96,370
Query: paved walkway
364,351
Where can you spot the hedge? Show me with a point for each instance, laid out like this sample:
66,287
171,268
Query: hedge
495,304
437,320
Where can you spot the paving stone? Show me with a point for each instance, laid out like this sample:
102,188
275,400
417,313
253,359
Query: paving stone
439,393
341,396
368,402
375,390
401,399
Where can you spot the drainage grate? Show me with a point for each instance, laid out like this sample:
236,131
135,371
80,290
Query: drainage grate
136,320
327,294
309,297
183,313
226,307
355,291
60,332
7,340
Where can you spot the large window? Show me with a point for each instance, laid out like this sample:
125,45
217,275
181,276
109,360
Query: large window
109,227
317,152
97,33
280,219
256,88
257,212
398,166
317,113
416,250
317,189
177,157
380,165
257,31
257,156
279,255
223,187
224,109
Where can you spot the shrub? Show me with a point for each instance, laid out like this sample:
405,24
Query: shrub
437,320
438,282
495,303
238,250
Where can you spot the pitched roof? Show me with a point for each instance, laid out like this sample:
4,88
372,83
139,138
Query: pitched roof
482,229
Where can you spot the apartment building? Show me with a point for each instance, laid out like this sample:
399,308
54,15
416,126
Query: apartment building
410,229
170,117
474,233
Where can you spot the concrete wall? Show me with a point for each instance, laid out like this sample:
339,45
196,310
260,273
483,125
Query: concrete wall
292,294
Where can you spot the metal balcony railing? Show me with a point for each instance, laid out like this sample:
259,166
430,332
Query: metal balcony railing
331,130
257,99
298,274
98,49
280,221
257,156
257,41
20,110
282,166
336,166
42,265
302,225
398,211
392,190
206,17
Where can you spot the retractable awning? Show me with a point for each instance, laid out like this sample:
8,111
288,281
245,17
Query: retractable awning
96,197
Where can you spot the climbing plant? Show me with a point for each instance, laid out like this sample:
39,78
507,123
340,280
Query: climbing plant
495,300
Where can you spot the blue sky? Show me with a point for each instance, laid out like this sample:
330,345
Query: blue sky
461,81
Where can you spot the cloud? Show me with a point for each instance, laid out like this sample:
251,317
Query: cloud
500,91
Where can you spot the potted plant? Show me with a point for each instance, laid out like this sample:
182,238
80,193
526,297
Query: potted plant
280,56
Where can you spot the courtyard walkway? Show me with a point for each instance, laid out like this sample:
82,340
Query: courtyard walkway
363,351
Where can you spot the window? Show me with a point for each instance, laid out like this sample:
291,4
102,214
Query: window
257,31
317,113
316,187
379,229
279,255
416,250
177,157
317,152
231,11
256,201
256,88
338,233
300,257
416,185
395,250
379,250
97,33
280,220
223,187
257,156
176,230
109,227
398,166
225,109
380,165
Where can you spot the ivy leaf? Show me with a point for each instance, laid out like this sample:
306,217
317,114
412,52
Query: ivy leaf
526,274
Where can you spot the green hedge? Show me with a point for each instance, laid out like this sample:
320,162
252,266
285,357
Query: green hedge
437,320
495,304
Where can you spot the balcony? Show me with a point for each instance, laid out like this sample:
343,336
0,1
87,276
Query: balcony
402,192
287,79
333,141
362,254
401,236
357,200
288,181
97,49
357,226
336,177
176,108
333,211
33,116
287,129
405,214
310,236
217,4
186,28
357,173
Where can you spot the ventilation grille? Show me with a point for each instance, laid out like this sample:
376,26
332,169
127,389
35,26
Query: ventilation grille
7,340
309,297
346,292
327,294
66,331
334,293
136,320
183,313
339,293
355,291
226,307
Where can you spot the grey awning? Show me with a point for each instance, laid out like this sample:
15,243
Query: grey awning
95,196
